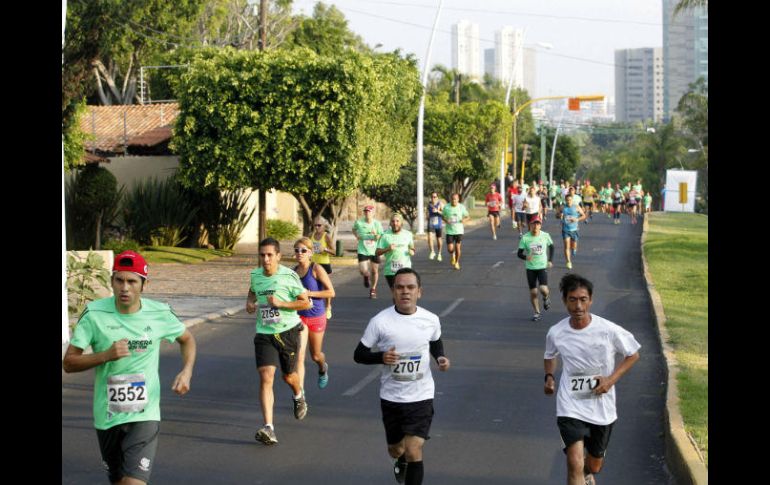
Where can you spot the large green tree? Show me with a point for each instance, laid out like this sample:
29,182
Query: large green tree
296,121
471,134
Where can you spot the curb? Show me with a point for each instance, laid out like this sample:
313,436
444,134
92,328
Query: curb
191,322
682,457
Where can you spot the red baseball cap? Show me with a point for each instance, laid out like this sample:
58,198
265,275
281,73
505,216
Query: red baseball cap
369,208
535,219
130,261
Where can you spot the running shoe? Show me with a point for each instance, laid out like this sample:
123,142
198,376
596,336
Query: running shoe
547,302
300,407
266,435
457,265
514,224
453,259
590,479
373,294
438,258
494,237
569,264
399,468
323,379
366,281
536,317
431,255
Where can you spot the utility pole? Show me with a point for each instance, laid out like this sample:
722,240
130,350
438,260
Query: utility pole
262,200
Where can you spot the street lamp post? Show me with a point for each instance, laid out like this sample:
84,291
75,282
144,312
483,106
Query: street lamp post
420,120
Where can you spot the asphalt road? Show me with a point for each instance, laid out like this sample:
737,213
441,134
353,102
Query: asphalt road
493,424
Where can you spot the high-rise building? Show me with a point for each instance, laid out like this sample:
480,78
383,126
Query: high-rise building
465,49
685,52
509,46
489,61
639,84
530,56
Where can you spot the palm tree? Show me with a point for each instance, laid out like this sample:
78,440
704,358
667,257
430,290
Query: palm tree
690,4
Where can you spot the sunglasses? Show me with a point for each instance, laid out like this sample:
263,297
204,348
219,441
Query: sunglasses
301,250
318,225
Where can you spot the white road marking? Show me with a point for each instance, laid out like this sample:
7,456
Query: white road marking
451,307
497,264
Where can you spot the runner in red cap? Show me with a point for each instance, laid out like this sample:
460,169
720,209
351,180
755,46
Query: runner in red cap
125,332
494,201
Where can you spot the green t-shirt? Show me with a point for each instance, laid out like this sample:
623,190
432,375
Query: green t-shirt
537,247
399,257
638,187
368,233
647,200
284,285
454,217
128,389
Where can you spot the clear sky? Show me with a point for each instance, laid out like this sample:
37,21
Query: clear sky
584,33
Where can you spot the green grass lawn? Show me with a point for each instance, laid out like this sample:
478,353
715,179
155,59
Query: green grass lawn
167,254
677,254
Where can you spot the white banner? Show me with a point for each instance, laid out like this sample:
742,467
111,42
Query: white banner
679,193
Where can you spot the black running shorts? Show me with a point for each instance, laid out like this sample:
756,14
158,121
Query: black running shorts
411,418
278,349
596,437
535,275
128,450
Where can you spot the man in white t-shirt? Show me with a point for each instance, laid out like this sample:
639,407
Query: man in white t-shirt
403,337
585,403
532,205
521,216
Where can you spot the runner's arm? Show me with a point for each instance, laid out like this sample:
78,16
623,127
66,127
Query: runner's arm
521,254
323,277
550,253
301,303
364,355
251,302
329,244
550,383
606,383
76,361
187,347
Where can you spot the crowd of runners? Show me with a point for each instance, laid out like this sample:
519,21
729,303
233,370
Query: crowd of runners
292,306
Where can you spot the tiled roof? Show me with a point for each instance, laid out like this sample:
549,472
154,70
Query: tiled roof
132,125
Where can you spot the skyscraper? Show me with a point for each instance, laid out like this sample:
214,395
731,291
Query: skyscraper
489,61
639,84
685,52
465,49
509,46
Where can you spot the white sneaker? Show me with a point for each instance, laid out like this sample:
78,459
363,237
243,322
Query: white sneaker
438,258
432,255
494,237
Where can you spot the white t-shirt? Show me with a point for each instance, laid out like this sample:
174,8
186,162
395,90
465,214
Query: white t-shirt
534,205
410,380
518,202
585,353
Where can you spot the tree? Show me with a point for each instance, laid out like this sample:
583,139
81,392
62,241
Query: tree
693,108
296,121
690,4
471,133
92,200
326,32
566,157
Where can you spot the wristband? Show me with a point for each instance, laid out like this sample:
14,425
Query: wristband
549,374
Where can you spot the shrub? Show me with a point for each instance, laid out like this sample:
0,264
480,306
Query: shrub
118,245
281,230
92,202
82,277
223,215
157,212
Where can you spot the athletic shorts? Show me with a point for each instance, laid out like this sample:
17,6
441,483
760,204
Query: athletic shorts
314,324
493,213
128,450
596,437
278,349
364,257
569,234
438,230
588,204
454,238
390,278
326,266
521,217
535,275
409,418
631,202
